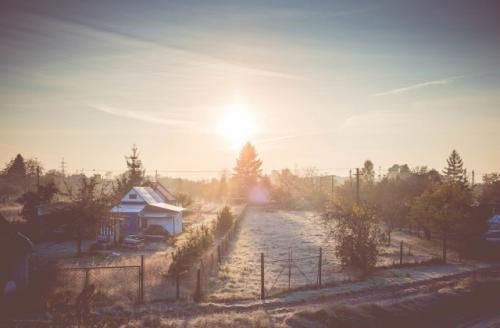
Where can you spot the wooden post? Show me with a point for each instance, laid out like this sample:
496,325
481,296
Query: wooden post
262,294
319,266
197,295
444,248
401,253
289,267
142,279
177,285
87,278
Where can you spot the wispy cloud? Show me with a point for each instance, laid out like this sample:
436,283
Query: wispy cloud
141,116
418,86
184,56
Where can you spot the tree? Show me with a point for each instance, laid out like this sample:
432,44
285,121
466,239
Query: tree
455,172
445,208
357,236
183,199
32,199
368,172
33,167
133,177
490,194
247,170
89,207
390,201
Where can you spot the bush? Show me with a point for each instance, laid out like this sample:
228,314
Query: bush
197,241
358,239
225,220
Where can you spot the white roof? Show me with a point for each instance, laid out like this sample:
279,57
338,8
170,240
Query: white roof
142,197
168,207
148,194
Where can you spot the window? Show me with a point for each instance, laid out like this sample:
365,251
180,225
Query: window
132,196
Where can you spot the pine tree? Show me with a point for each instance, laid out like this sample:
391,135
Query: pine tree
16,169
455,172
134,165
135,175
248,169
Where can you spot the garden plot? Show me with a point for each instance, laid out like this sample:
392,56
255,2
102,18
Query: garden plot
298,235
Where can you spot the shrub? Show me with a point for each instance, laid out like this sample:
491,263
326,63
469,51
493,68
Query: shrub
358,238
197,241
225,220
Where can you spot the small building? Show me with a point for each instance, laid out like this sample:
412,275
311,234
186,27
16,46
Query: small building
143,207
15,251
493,233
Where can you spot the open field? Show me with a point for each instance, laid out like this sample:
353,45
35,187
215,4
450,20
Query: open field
276,233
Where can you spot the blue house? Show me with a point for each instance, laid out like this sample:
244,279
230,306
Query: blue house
142,207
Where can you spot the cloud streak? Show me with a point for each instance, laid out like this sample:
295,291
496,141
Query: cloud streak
141,116
418,86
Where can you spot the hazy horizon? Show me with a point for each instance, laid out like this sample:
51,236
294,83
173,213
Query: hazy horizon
323,84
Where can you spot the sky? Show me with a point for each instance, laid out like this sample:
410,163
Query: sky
327,84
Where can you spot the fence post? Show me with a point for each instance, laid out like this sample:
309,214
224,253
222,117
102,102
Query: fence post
142,279
87,278
177,287
319,266
444,248
401,253
262,295
197,294
289,267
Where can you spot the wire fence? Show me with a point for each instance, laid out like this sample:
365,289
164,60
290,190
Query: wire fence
259,275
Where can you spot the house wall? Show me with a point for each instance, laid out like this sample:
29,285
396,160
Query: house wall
130,226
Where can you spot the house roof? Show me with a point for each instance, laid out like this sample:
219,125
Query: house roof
169,197
167,207
146,196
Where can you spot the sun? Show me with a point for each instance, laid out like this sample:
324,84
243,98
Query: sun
237,124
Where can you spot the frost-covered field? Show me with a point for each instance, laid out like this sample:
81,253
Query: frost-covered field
299,234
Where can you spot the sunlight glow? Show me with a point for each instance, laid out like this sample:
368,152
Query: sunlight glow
237,124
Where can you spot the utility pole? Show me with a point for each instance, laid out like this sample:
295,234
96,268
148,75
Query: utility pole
473,177
38,178
63,167
333,182
357,185
350,176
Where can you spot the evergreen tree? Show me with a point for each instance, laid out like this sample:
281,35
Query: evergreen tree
134,165
455,172
248,169
135,175
16,169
